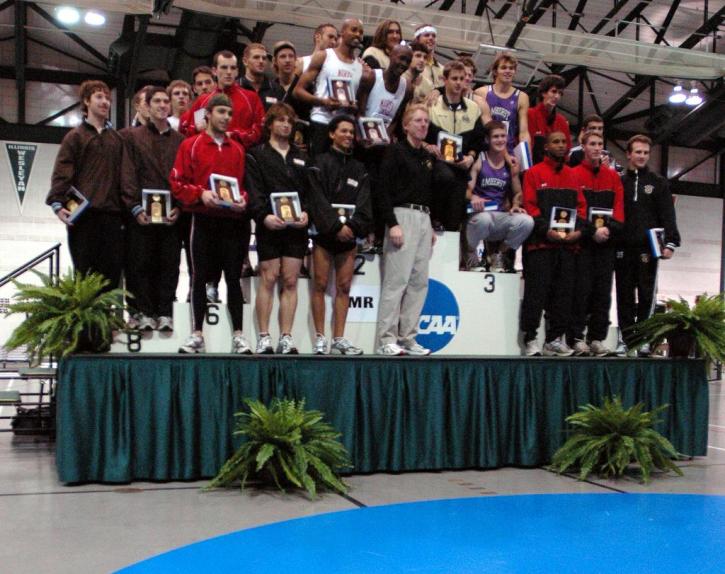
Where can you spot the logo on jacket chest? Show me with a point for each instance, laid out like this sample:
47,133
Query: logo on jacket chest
648,189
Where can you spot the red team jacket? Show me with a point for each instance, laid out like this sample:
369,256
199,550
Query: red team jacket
198,157
539,126
247,115
605,179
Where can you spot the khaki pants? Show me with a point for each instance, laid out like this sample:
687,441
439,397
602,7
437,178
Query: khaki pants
405,278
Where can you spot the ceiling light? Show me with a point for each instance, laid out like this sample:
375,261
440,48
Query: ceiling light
94,18
67,15
694,99
677,96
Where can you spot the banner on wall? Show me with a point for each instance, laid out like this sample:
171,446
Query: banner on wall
21,157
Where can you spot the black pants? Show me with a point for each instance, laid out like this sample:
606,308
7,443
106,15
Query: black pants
154,253
96,242
217,243
549,281
319,139
372,158
636,272
215,275
449,196
592,296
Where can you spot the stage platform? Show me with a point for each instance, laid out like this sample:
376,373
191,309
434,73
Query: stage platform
170,417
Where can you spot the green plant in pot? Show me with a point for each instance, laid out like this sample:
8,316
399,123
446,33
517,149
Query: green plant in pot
609,438
75,314
700,328
287,446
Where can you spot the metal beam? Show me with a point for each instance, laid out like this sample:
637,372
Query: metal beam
505,8
481,8
578,13
595,103
58,114
138,42
21,56
77,39
55,76
6,4
67,54
698,163
530,15
629,18
608,18
32,133
667,21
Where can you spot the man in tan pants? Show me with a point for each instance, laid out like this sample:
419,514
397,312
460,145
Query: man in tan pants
404,197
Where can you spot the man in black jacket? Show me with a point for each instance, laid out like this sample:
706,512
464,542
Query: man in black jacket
341,210
647,205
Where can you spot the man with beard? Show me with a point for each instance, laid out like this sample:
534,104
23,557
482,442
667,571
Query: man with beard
218,236
337,179
550,257
432,74
334,64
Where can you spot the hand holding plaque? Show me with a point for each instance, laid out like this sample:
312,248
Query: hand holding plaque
76,203
156,205
562,221
450,146
286,206
226,189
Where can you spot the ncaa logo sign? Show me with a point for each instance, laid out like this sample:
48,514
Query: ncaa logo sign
439,320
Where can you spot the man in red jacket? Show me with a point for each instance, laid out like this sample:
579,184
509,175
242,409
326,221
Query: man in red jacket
544,119
217,226
602,189
247,111
550,256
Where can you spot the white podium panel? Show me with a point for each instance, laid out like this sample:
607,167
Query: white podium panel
466,313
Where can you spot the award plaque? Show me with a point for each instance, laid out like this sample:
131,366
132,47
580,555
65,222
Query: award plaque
226,188
523,155
656,237
451,147
286,206
76,203
156,205
373,130
600,216
563,220
341,90
488,205
344,211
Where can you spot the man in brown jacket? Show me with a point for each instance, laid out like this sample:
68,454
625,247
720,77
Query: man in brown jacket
89,160
153,243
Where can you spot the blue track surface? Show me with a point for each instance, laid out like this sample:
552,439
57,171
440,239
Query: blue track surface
553,534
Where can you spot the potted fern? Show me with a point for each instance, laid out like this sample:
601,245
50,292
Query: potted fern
76,313
700,328
286,445
608,439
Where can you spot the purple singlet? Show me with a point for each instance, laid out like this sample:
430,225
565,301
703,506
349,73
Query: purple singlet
505,110
492,184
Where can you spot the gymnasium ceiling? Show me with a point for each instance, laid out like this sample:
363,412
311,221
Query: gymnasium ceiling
620,58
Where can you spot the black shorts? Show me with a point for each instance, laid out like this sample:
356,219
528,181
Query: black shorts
332,245
284,243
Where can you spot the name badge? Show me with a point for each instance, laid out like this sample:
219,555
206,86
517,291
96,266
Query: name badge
298,161
270,100
351,182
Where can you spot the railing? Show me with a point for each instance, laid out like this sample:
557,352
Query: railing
52,255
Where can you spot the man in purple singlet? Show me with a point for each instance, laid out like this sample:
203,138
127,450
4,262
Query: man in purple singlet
495,196
503,102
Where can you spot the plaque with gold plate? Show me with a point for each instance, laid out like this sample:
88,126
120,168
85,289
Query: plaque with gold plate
373,130
600,216
563,220
226,188
341,90
286,205
76,203
344,211
156,205
451,146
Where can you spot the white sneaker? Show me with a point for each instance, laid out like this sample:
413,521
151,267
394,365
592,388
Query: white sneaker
264,345
532,348
391,350
286,345
581,349
165,324
194,344
146,323
240,346
621,350
320,346
644,350
416,349
341,346
132,323
557,348
599,349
